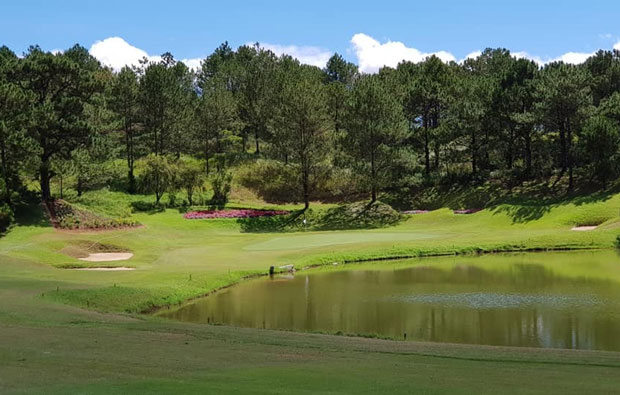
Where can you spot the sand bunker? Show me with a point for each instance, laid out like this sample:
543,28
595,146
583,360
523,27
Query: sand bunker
106,269
584,228
107,257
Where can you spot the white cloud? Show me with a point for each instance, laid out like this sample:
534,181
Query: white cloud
471,55
313,56
193,63
372,55
574,57
117,53
525,55
568,57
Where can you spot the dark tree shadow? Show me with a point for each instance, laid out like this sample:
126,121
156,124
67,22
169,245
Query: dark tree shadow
147,207
533,206
274,223
31,213
360,215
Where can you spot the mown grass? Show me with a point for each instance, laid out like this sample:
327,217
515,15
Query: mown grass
67,312
169,249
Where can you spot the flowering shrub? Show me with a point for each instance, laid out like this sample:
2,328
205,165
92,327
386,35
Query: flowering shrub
243,213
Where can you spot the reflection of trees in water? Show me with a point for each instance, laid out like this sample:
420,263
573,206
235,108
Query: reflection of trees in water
375,302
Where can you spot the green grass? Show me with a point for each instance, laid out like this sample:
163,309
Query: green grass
78,331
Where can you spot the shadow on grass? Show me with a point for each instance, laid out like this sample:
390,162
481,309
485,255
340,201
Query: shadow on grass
144,206
360,215
523,209
31,213
275,223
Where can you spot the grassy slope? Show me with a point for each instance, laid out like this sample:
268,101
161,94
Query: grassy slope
136,353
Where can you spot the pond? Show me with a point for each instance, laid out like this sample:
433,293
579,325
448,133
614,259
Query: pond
550,300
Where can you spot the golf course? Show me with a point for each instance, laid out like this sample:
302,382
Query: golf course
94,331
309,197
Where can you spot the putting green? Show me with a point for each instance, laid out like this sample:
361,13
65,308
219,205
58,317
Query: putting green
333,238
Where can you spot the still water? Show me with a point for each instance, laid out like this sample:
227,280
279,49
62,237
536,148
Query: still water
551,300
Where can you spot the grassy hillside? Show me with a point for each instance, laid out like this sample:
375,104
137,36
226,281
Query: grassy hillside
46,312
169,249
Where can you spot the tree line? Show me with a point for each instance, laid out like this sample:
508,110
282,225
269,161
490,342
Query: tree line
490,117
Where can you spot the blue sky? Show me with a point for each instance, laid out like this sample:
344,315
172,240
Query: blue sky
542,30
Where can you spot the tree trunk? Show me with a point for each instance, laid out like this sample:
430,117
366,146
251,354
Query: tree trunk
569,153
511,149
474,153
130,158
5,171
257,152
435,125
44,178
528,154
207,156
563,150
373,181
79,186
306,188
427,152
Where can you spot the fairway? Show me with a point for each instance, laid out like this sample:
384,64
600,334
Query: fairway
47,312
300,242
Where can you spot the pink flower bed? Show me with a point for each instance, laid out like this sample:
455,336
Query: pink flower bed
244,213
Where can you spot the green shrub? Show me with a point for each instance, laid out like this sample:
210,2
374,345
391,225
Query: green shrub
271,180
277,182
221,184
6,217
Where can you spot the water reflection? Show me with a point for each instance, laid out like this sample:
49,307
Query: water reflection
543,300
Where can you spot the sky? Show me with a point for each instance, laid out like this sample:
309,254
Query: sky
370,34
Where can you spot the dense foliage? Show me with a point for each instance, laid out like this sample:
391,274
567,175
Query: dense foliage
296,132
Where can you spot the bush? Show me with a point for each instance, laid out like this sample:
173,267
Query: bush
276,182
158,176
221,188
273,181
6,217
191,179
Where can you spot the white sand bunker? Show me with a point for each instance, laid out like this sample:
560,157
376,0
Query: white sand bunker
107,257
106,269
583,228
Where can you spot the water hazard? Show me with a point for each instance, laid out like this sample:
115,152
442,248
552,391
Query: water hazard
550,300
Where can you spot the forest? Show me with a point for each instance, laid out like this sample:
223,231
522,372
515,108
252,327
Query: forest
293,132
